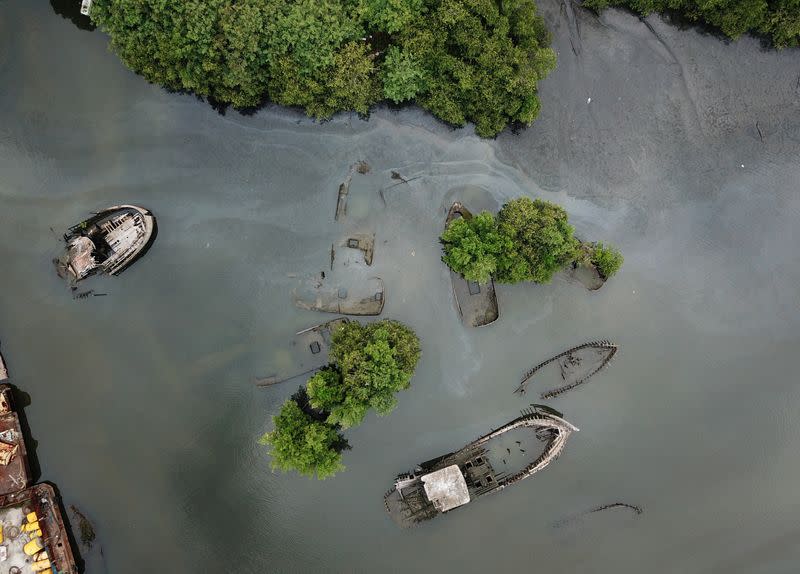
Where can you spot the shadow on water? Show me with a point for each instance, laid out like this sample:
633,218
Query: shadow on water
71,10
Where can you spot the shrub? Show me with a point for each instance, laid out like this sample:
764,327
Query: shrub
304,443
607,259
375,361
542,236
475,248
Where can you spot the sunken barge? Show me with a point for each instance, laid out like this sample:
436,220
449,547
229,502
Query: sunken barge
476,303
33,536
452,480
108,242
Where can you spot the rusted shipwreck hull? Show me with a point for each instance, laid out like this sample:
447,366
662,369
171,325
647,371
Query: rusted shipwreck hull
109,242
453,480
3,370
314,345
34,536
575,365
477,304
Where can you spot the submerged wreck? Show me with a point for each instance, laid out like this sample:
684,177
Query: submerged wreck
452,480
575,366
477,304
366,298
314,344
108,242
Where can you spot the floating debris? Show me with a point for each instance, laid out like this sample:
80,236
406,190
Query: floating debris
315,343
575,365
453,480
362,167
636,509
477,304
108,243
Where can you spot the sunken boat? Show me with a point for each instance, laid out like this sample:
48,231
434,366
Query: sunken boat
108,242
365,297
575,366
476,303
480,468
312,345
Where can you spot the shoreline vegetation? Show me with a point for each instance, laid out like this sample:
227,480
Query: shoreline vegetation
778,20
464,61
369,365
528,240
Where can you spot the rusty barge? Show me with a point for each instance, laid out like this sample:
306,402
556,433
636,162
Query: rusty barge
476,304
33,536
479,468
108,242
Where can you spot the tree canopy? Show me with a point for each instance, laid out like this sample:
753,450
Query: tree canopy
369,364
463,60
529,240
375,361
778,19
304,443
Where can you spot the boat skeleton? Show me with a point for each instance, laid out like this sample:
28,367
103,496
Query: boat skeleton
568,355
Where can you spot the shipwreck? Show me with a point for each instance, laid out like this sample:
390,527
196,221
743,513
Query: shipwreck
314,345
108,242
477,304
365,297
33,537
575,366
480,468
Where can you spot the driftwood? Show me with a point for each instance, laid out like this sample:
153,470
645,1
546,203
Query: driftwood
567,356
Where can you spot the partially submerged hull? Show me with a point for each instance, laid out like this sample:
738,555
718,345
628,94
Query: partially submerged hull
575,366
313,344
109,242
15,472
368,300
452,480
477,304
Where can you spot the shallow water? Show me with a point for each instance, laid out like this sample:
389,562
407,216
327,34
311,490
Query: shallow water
143,401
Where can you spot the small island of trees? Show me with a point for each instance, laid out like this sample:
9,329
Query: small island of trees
369,365
528,240
463,60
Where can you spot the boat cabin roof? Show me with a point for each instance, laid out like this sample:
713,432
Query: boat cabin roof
446,488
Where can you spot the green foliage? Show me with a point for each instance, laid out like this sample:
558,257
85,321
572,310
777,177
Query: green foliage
376,361
483,59
302,443
779,19
529,240
390,15
403,76
607,259
541,233
464,60
476,249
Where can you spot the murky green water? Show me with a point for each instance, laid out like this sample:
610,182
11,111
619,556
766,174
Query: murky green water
143,402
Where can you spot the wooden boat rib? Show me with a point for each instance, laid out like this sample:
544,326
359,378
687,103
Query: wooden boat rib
603,344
